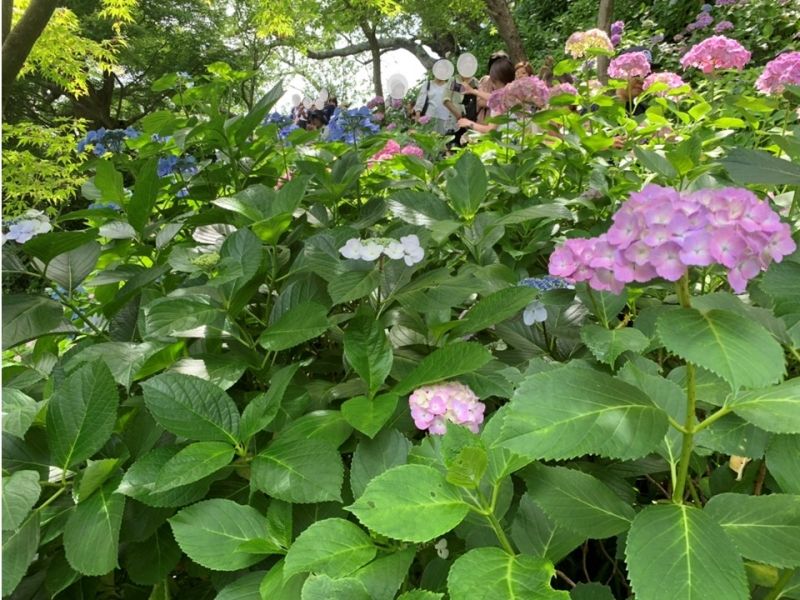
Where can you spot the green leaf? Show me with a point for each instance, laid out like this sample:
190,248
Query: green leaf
367,349
240,261
741,352
181,316
322,587
150,561
776,409
211,531
70,268
262,409
369,416
109,181
353,285
81,414
373,457
301,323
140,481
256,114
247,587
608,344
443,363
732,435
326,426
393,502
677,552
192,407
145,194
494,308
655,162
299,471
420,595
781,283
124,359
334,547
604,305
535,533
47,246
746,165
492,574
19,411
19,550
384,576
195,462
419,208
467,468
27,317
781,456
20,492
763,528
93,476
578,501
591,591
467,185
573,411
91,535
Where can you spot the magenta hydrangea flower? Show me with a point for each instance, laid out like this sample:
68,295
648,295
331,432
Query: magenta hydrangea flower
723,26
413,150
631,64
660,232
783,70
671,80
375,102
563,88
432,406
526,91
388,151
715,53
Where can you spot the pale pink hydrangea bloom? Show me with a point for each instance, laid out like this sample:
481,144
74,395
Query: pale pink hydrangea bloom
631,64
783,70
525,91
582,41
715,53
432,406
413,150
388,151
671,80
660,232
563,88
424,120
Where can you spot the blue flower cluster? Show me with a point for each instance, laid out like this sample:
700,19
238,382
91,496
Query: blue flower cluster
351,125
185,165
109,205
160,138
277,118
107,140
285,131
546,283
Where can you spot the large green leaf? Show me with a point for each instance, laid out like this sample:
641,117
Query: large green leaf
274,587
247,587
781,456
81,414
353,285
535,533
578,501
443,363
322,587
47,246
192,407
573,411
369,415
184,316
240,260
746,165
373,457
248,123
70,268
655,162
384,576
740,351
27,317
367,349
262,409
677,552
109,181
492,574
195,462
19,550
148,562
299,471
782,284
763,528
145,194
775,409
96,473
608,344
124,359
494,308
19,411
467,185
301,323
211,532
91,535
332,546
20,492
393,502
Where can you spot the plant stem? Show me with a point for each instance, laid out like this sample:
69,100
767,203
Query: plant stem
783,580
79,313
501,535
691,400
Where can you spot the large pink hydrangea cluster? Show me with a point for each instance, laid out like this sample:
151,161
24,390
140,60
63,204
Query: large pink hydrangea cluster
660,232
780,72
563,88
715,53
392,148
432,406
525,91
671,80
631,64
580,42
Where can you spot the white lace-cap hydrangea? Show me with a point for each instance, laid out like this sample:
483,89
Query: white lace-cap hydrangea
535,312
408,249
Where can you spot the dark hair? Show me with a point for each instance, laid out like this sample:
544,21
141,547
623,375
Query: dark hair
546,71
494,57
502,70
524,64
317,115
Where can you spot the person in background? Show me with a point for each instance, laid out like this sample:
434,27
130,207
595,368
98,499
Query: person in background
316,120
523,69
460,104
546,70
485,85
430,103
330,107
501,73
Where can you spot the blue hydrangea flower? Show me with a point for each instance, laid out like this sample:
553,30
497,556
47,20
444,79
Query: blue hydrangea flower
160,138
284,132
351,125
106,140
546,283
535,312
108,205
182,193
166,165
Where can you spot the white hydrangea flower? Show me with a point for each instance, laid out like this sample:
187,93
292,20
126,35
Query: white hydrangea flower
411,249
535,312
351,249
394,250
371,250
441,549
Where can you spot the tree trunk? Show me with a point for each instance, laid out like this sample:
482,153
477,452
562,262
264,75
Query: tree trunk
604,16
95,106
8,15
18,43
375,51
507,28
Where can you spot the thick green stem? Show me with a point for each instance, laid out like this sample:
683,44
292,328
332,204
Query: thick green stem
487,510
501,535
691,401
779,586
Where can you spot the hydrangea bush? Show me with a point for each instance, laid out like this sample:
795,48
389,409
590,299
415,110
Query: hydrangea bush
561,363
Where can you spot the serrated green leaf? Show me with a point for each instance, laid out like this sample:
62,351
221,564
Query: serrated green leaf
299,324
27,317
47,246
353,285
274,587
211,531
573,411
393,501
262,409
193,463
492,574
20,492
124,359
19,550
655,162
322,587
537,534
494,308
384,576
373,457
334,547
367,349
741,352
145,193
776,409
93,476
81,414
683,546
369,416
763,528
443,363
746,165
150,561
184,316
608,344
109,182
19,411
467,185
327,426
467,468
781,457
247,587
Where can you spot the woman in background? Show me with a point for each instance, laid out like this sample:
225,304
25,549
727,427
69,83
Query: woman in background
430,103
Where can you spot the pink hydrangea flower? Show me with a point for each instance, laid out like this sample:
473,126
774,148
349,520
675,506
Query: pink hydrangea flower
413,150
671,80
424,120
783,70
388,151
660,232
580,42
715,53
723,26
631,64
433,406
525,91
563,88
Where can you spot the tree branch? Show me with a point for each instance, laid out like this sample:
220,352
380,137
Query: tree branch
391,43
18,43
8,15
